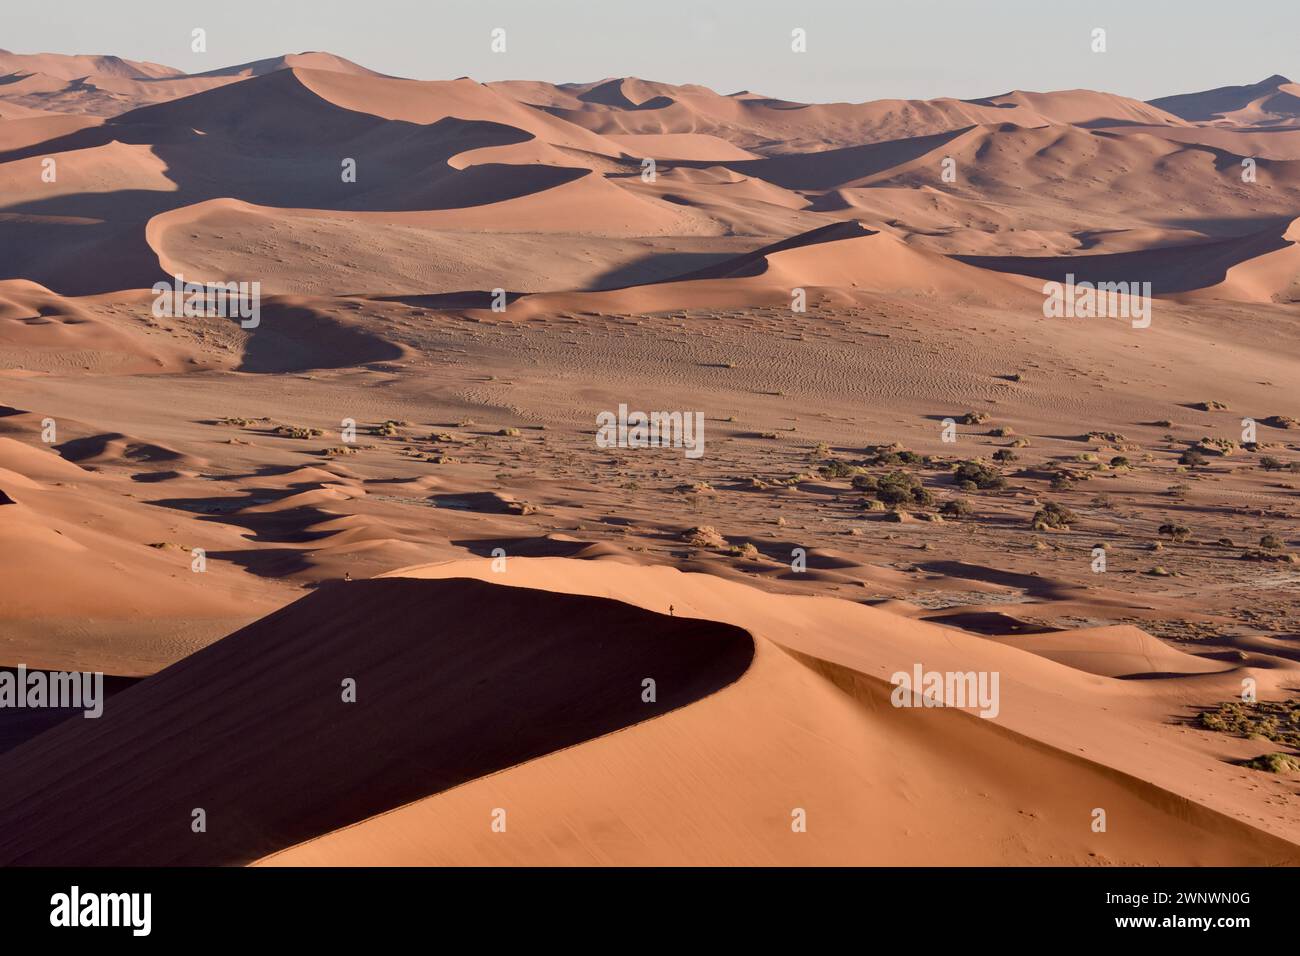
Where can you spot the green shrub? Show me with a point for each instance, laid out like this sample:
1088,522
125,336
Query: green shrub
899,488
956,508
1055,516
978,473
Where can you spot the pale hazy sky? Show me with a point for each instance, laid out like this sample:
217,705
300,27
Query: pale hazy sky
857,49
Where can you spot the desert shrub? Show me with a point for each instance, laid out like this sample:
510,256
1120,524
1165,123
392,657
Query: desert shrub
837,469
1053,515
980,474
1271,542
1275,720
899,488
1192,458
1005,454
298,431
704,536
746,551
864,482
1275,763
1216,446
893,457
956,508
1275,557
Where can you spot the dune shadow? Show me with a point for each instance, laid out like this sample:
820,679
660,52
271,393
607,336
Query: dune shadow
295,339
990,623
535,547
20,724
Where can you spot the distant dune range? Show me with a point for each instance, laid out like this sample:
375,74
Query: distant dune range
232,521
502,162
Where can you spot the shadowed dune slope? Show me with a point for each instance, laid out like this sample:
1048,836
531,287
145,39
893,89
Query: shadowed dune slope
455,679
1273,101
1260,267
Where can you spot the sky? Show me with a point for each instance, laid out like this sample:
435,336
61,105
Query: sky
856,49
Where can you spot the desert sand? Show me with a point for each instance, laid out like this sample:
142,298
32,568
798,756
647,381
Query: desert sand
393,478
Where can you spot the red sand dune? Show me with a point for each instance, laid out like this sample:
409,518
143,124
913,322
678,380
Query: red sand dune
1274,101
519,674
809,725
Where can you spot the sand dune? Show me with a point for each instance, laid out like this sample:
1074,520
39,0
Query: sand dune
1274,101
821,736
307,763
310,60
73,67
826,720
632,106
1262,267
127,599
108,86
1116,651
842,260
